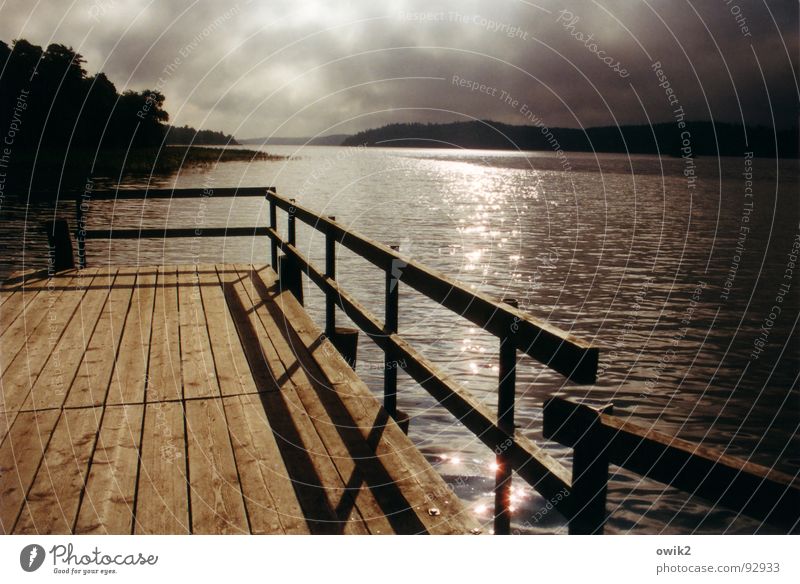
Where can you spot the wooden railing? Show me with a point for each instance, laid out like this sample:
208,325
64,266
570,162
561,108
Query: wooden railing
83,202
597,437
515,330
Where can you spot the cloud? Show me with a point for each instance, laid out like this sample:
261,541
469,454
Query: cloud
302,67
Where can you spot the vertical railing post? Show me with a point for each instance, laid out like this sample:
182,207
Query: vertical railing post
61,256
505,419
589,476
330,272
289,273
389,361
291,235
273,224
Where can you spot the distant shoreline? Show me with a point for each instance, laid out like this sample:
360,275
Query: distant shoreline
665,139
49,168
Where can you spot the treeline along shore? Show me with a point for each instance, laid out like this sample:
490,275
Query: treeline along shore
701,138
59,125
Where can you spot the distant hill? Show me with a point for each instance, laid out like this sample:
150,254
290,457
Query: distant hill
664,138
186,135
330,140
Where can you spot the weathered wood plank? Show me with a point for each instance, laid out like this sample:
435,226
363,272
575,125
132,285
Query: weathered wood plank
264,365
51,388
269,494
162,501
20,456
108,502
164,365
530,461
19,277
13,338
51,506
129,379
327,505
230,361
217,503
355,411
15,297
342,444
91,383
197,362
23,372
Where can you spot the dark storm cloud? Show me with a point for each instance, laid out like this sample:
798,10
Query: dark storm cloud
254,68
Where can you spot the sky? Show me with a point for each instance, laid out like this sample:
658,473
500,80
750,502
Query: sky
309,67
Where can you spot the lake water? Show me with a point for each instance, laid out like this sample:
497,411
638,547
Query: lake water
673,277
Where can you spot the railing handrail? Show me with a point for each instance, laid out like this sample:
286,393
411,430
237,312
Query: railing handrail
559,350
83,199
148,194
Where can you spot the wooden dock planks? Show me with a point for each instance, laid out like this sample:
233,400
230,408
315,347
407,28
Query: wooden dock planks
354,410
162,499
51,505
57,380
197,362
20,456
110,495
269,494
356,502
217,504
90,386
164,366
230,362
22,373
182,400
129,379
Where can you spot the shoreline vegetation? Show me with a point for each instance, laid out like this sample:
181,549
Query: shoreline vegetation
60,126
667,139
681,139
139,161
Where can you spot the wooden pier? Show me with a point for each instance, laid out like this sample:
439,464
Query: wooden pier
204,399
195,399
